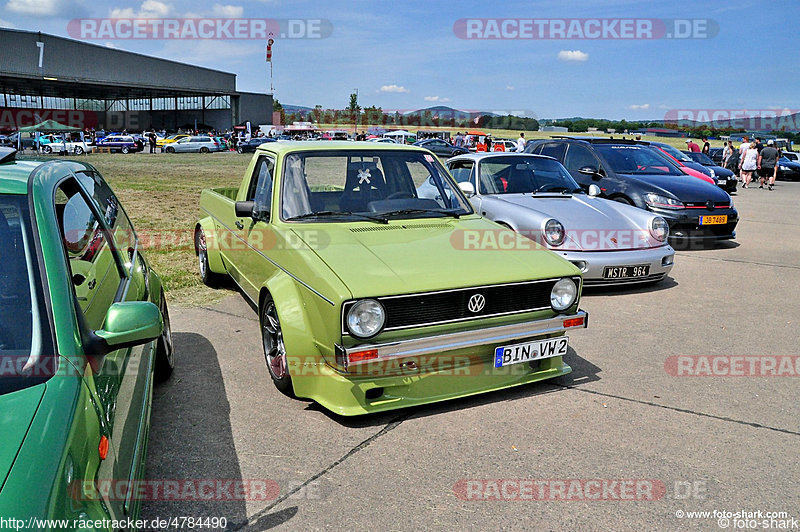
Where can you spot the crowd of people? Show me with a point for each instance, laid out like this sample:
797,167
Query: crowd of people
752,159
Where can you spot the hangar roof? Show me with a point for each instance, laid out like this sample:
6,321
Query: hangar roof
68,68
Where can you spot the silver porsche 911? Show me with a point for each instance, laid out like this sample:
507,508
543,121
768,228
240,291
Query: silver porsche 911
612,243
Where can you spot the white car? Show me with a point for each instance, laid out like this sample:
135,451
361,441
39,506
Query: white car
54,144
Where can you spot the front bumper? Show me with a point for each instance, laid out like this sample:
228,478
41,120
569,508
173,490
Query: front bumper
684,224
593,263
430,369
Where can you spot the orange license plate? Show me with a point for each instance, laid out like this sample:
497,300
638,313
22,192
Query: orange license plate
717,219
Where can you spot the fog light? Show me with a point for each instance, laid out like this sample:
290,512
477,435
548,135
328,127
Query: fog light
580,264
668,260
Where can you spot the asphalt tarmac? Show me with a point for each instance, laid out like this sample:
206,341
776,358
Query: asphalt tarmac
683,398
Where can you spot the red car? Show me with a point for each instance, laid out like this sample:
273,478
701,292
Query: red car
681,159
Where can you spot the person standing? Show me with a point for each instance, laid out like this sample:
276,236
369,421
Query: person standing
726,153
706,147
749,163
151,138
767,161
521,143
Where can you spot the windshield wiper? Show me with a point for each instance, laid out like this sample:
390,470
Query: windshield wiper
322,214
443,212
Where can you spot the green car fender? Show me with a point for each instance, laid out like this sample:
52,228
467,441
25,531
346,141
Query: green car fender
304,355
215,263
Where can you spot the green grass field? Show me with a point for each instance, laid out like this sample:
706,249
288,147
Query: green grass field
161,194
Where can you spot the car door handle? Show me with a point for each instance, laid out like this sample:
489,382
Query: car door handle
239,224
92,284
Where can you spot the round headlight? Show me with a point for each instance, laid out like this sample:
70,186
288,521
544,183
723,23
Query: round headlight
554,232
563,294
659,228
366,318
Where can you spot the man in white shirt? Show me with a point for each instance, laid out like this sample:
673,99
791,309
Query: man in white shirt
521,143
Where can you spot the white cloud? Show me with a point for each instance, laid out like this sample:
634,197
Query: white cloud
393,88
573,55
44,8
6,24
148,9
509,87
436,99
639,107
228,11
662,106
109,44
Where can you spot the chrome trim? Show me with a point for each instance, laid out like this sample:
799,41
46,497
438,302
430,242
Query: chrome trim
459,340
284,270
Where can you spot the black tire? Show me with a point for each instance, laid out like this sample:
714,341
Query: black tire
170,150
239,150
47,149
208,277
165,352
623,199
274,348
125,149
79,150
203,149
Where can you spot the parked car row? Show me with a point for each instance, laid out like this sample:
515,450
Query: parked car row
347,253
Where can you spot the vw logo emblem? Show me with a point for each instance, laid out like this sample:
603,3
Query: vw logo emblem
476,303
710,205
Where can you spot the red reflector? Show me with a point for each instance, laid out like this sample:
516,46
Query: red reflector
573,322
362,356
103,447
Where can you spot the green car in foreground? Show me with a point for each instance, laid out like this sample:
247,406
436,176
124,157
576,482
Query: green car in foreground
371,298
84,331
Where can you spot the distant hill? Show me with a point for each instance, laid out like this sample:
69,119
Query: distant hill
449,112
295,109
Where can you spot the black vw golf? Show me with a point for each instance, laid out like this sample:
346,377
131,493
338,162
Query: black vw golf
631,173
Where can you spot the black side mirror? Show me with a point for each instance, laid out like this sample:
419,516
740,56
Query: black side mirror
244,209
594,173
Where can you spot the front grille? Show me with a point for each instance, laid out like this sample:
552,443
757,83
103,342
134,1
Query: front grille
431,308
704,205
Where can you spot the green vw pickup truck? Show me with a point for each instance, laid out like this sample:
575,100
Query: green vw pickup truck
371,297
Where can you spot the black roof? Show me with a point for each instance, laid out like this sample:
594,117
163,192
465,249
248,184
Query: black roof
598,140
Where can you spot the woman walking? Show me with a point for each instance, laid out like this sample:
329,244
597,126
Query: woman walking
748,163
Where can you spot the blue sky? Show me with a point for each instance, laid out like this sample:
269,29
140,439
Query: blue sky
405,54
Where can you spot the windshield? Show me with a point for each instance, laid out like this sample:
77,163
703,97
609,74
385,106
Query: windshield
521,174
26,357
675,152
701,158
636,160
380,183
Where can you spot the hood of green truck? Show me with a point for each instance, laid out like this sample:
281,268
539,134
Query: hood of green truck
420,255
17,410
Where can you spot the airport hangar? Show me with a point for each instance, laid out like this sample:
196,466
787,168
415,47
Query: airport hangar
90,86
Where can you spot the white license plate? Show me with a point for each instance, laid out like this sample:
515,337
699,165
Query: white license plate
722,181
516,354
